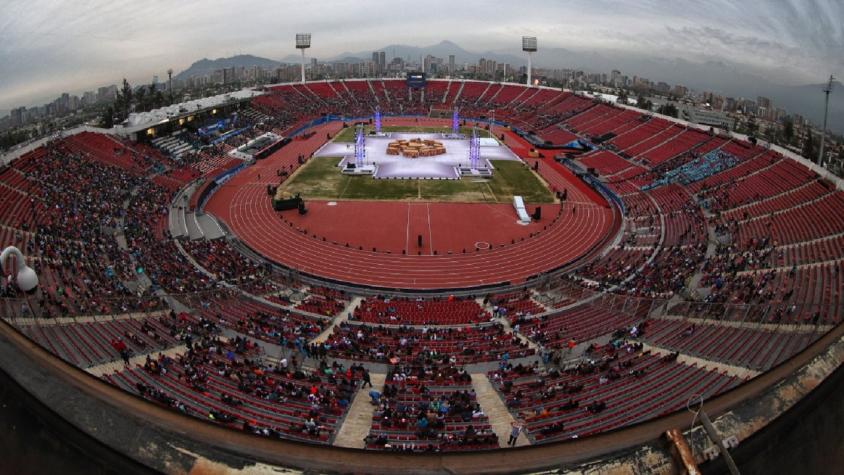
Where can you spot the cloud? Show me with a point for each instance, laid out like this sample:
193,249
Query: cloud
47,47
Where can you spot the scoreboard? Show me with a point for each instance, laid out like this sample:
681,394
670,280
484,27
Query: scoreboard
416,80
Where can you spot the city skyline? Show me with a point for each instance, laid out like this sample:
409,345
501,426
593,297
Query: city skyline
49,49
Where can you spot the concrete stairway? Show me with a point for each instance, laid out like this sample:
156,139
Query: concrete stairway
358,421
117,365
494,408
194,231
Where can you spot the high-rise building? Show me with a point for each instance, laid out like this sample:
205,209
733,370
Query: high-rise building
396,65
615,78
379,63
451,65
17,116
106,93
487,67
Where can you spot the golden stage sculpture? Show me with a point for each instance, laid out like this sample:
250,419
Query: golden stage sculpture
415,148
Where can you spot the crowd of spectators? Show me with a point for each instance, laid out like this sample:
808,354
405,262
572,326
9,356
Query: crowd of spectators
229,378
451,345
429,408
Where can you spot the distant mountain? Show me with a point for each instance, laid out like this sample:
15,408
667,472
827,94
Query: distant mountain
206,66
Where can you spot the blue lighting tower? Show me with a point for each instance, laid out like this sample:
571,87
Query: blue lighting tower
455,122
474,150
360,150
378,120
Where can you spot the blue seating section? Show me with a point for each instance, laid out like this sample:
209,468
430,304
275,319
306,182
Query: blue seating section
698,169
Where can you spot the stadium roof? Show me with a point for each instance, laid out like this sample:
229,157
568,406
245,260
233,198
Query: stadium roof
138,121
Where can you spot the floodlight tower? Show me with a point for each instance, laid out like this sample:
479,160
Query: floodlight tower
529,46
826,91
303,42
170,83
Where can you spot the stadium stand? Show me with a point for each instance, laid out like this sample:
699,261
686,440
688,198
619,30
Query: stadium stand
728,263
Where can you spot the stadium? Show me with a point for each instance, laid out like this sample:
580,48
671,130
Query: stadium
418,276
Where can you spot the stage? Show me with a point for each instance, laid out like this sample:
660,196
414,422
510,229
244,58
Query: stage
437,167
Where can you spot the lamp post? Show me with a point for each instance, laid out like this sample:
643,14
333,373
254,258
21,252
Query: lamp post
170,83
826,91
492,124
303,42
529,46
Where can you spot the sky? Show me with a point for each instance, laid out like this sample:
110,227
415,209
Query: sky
52,46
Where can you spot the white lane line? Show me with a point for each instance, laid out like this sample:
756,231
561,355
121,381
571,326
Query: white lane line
430,233
407,231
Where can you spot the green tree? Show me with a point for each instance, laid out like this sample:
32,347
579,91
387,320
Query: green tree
123,102
840,163
788,130
160,100
771,134
752,126
107,120
643,103
152,96
141,99
13,137
668,109
809,147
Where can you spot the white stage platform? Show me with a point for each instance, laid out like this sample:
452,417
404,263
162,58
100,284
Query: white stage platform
443,166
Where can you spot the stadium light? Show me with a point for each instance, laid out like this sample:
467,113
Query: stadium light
529,46
826,91
25,277
170,83
303,42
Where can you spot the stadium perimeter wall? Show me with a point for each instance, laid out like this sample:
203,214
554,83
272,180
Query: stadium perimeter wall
158,438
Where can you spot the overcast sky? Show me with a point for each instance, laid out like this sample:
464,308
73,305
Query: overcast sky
47,47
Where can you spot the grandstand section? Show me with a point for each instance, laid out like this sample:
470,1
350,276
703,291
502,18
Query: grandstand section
655,262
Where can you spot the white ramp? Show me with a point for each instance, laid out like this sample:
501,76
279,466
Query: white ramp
211,229
521,212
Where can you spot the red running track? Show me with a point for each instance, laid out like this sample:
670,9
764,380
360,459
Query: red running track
396,225
242,203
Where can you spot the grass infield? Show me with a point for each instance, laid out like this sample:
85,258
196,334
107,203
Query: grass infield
320,178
